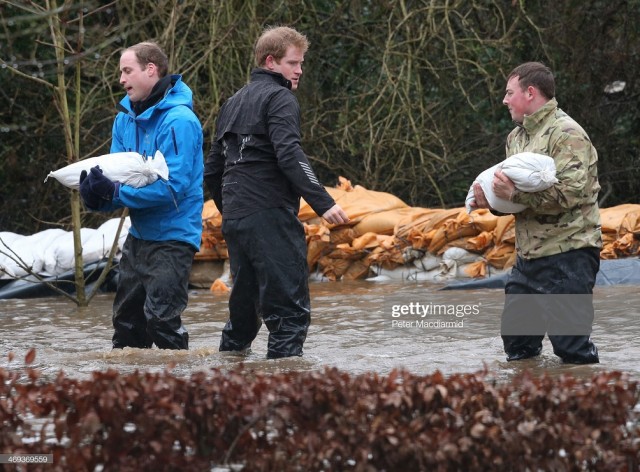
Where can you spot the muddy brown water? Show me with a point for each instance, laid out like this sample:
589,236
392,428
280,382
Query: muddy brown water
352,328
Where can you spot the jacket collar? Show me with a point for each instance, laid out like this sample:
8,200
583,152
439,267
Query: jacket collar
158,92
532,123
162,89
260,74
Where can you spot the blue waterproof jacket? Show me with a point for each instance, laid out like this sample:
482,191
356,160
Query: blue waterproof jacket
164,210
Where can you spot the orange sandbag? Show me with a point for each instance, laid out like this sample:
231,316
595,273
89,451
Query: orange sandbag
210,212
347,261
367,240
212,244
316,232
344,251
360,202
611,218
389,254
356,203
476,269
342,235
466,243
505,231
317,237
450,231
424,220
626,246
218,286
501,256
315,250
455,232
383,222
357,270
482,219
630,223
212,250
607,251
609,238
481,242
419,240
333,268
212,220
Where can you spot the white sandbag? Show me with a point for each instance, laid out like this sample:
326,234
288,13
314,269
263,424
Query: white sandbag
455,259
398,273
529,171
428,262
30,251
98,246
129,168
460,256
59,256
51,252
433,275
6,270
7,239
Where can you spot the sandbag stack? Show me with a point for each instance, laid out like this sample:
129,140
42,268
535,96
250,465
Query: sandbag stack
386,238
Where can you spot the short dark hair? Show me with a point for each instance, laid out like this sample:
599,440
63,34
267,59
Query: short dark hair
535,74
275,40
150,52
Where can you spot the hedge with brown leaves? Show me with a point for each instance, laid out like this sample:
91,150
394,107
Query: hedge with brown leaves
329,420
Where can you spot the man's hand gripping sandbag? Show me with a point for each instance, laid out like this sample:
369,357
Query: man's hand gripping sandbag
530,172
96,189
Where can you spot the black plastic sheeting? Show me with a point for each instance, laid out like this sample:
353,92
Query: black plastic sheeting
30,287
612,272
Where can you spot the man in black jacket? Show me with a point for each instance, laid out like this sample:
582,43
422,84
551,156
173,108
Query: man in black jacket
256,172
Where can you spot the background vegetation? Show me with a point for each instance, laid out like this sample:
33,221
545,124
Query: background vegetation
403,96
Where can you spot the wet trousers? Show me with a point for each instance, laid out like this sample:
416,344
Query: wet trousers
551,295
152,293
268,261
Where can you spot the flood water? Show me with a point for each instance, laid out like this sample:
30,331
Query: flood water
352,329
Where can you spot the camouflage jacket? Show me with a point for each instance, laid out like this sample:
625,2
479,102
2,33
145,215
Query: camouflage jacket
565,216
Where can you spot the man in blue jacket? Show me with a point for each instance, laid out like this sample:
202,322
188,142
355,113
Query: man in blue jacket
166,216
257,172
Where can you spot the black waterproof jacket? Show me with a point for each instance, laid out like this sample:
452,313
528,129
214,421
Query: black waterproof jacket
256,159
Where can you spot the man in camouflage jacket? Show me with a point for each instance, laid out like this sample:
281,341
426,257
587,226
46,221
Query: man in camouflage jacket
558,236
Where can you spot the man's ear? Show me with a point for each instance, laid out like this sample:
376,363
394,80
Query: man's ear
269,62
531,91
151,69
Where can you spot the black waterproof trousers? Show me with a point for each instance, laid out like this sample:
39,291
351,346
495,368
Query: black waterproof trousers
152,294
268,258
551,295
